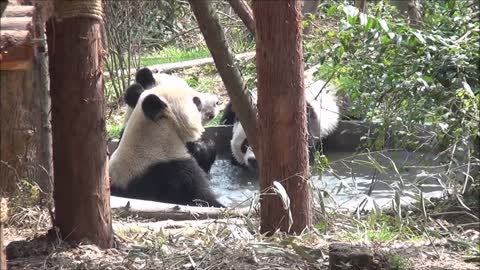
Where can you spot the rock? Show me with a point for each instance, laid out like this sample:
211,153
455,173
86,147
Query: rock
344,256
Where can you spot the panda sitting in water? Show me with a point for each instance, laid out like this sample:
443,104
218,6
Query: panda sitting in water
322,119
152,161
203,150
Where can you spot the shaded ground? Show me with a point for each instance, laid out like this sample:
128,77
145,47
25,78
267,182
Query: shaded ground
232,246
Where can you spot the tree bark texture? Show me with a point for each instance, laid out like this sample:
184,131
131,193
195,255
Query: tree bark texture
361,5
18,129
408,8
81,186
3,218
217,44
282,137
245,13
41,86
310,6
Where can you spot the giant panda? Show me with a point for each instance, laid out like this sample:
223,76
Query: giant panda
322,119
152,161
203,150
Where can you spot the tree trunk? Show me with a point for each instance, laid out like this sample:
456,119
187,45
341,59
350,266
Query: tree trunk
3,218
18,130
245,13
282,137
361,5
408,8
217,44
41,86
81,187
310,6
3,6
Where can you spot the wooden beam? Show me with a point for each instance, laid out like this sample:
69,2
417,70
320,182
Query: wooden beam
16,50
13,38
18,11
16,23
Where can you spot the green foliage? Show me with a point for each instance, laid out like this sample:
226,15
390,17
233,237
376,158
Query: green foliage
398,262
382,228
172,55
420,86
215,121
113,130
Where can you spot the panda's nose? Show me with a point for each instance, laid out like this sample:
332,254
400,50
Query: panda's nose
252,162
210,116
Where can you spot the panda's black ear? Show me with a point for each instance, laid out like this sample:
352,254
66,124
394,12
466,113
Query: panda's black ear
145,78
153,107
198,102
132,94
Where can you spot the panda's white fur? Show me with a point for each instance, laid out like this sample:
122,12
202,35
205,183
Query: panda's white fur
210,101
152,161
204,150
321,122
180,124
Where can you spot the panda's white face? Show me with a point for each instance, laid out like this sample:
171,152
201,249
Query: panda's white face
241,150
210,109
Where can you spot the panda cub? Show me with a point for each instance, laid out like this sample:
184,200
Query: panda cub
152,161
322,119
203,150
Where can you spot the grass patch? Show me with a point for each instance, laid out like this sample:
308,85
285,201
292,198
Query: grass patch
382,229
113,130
397,262
172,55
215,121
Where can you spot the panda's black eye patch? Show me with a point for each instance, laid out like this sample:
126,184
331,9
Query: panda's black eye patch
153,106
244,146
145,78
132,94
198,103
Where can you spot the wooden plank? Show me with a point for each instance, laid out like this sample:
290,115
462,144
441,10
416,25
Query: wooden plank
13,38
17,58
16,23
16,51
18,11
17,135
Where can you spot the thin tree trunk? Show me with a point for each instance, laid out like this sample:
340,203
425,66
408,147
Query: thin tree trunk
41,86
408,8
3,6
361,5
81,187
3,218
309,7
217,44
282,140
245,13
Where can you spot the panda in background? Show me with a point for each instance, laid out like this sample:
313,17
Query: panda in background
322,119
152,161
202,150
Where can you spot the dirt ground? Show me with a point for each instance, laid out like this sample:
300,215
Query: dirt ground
220,245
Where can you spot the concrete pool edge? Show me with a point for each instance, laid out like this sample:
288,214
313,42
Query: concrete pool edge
346,138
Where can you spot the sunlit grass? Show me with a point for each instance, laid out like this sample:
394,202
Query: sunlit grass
172,55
